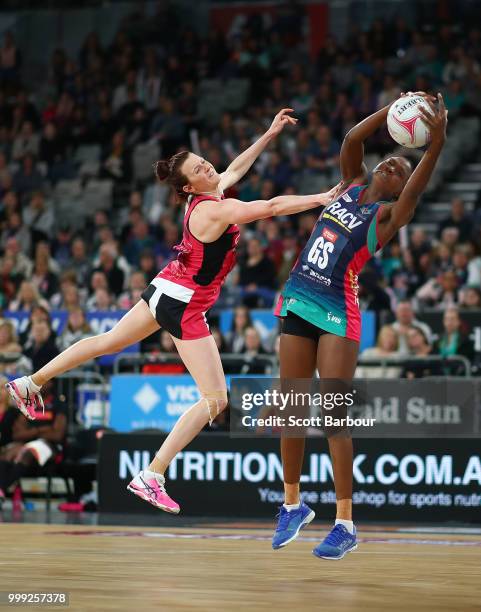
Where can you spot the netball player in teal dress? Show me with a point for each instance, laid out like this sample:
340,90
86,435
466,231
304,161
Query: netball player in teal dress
319,306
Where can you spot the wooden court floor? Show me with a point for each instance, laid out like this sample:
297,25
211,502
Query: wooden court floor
147,568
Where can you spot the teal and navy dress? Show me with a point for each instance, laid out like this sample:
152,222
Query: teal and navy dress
322,287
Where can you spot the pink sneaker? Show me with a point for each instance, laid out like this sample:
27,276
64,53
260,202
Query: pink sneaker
152,490
26,399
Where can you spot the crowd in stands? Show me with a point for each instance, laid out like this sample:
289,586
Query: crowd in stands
146,87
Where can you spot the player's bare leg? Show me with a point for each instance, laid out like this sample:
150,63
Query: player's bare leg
202,359
342,538
297,360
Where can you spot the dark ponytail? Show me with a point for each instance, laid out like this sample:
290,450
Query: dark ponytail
162,170
170,172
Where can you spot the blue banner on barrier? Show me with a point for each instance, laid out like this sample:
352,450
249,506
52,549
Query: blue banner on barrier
265,323
139,401
99,320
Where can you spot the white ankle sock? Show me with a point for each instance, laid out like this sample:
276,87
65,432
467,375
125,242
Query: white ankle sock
349,525
290,507
34,387
156,475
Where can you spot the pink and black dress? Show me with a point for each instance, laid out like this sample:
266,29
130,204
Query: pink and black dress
181,294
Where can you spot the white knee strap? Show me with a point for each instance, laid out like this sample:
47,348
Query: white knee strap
215,401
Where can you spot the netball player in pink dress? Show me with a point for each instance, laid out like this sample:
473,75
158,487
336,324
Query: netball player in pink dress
178,298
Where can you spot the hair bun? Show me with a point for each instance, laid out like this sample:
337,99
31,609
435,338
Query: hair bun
162,169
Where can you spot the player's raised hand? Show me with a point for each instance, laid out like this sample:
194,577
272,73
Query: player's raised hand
331,195
436,120
425,95
281,120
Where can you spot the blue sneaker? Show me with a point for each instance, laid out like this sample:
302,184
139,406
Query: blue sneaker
337,543
290,523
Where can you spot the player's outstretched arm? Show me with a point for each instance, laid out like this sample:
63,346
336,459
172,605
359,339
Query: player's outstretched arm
401,212
241,164
235,211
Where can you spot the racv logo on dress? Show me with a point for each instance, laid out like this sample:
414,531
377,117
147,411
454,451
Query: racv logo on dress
342,216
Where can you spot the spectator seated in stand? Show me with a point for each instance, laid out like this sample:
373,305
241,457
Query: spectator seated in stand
405,320
69,296
11,359
41,347
458,219
79,262
27,180
454,339
235,338
39,218
34,443
43,278
38,313
387,346
129,298
419,347
252,350
76,329
26,142
22,267
471,298
257,276
27,297
8,338
440,292
101,299
108,265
